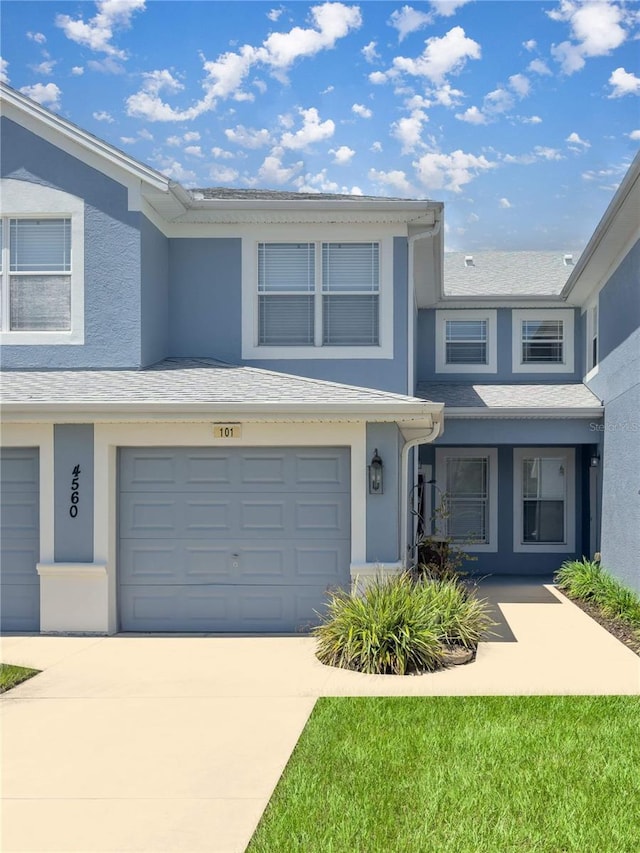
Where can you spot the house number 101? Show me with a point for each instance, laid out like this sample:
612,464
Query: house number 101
75,493
227,430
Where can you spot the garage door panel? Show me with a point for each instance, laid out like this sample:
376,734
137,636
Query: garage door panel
241,539
19,539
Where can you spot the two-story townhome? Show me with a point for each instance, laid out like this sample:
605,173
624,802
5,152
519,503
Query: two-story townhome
218,403
205,411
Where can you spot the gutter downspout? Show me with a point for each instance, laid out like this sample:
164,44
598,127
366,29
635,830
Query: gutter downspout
433,231
424,438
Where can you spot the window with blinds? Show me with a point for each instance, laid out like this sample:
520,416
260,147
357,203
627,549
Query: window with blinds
542,341
36,275
466,342
324,294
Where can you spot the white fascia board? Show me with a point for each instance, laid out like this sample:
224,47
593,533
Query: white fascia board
44,123
523,412
618,223
515,300
269,413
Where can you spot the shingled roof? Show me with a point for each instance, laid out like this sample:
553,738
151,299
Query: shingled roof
511,396
283,195
190,383
507,273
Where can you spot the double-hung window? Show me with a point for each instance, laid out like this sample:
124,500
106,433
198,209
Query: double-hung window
41,265
467,492
466,341
543,341
36,275
544,499
319,299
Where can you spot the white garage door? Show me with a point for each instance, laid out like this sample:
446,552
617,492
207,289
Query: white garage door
19,540
243,539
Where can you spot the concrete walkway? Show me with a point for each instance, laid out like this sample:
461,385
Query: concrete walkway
159,744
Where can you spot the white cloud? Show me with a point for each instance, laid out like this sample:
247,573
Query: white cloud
531,120
248,137
273,173
77,71
321,183
575,140
377,147
274,14
361,110
635,135
441,56
473,217
193,151
4,74
312,130
624,83
369,51
103,115
342,155
408,20
174,169
530,45
97,33
520,85
45,67
446,95
539,66
108,65
328,90
191,136
408,130
38,38
545,153
395,180
223,174
128,140
278,52
596,30
450,171
446,8
378,77
498,101
47,94
145,134
473,116
505,203
147,103
221,153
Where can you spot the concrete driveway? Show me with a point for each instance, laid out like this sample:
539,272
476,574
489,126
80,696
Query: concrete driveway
139,743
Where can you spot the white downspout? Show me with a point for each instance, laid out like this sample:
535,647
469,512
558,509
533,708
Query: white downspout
425,438
411,298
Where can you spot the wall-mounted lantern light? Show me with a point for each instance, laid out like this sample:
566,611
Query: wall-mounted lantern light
375,474
595,460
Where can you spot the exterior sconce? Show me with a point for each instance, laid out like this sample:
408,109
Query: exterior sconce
594,462
375,474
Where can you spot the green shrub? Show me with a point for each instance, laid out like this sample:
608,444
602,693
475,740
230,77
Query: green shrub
398,626
588,581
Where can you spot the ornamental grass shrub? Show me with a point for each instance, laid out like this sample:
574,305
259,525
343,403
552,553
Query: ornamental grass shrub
398,625
587,580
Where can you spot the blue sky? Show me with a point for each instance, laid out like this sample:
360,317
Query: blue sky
521,116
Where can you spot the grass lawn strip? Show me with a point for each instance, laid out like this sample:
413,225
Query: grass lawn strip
548,774
11,676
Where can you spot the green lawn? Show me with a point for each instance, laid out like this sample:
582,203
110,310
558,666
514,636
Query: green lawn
461,775
11,675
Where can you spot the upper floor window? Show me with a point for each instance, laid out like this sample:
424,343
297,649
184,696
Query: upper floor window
41,265
36,275
466,341
543,341
319,299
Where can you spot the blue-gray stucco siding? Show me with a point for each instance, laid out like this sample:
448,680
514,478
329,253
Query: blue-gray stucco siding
112,256
154,283
426,354
383,520
617,383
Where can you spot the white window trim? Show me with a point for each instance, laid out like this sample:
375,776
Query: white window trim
22,200
567,317
491,454
490,316
591,370
520,547
250,348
